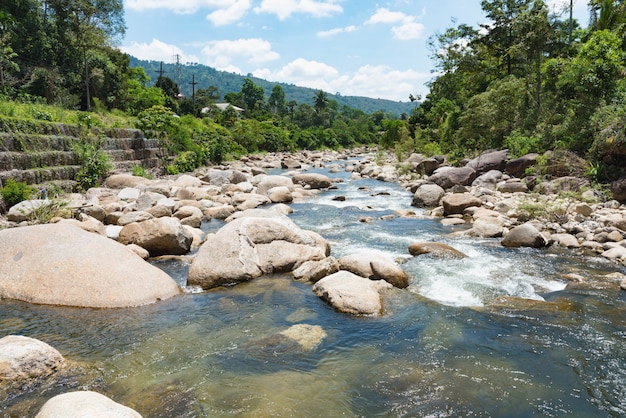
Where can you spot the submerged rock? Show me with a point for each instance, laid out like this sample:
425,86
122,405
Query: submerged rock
23,358
84,404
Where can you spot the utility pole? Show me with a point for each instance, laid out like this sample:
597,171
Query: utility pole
86,75
160,71
571,19
193,88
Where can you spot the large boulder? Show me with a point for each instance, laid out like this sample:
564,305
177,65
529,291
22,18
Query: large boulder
24,358
618,188
448,177
269,182
375,266
313,271
525,235
438,249
82,404
427,195
456,203
488,180
249,247
60,264
26,209
120,181
493,160
313,180
160,236
563,184
351,294
517,167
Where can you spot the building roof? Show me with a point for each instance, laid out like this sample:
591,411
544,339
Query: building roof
222,107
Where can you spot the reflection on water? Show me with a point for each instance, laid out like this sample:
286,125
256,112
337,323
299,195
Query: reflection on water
495,334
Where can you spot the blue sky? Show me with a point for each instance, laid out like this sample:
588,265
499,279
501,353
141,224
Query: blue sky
353,47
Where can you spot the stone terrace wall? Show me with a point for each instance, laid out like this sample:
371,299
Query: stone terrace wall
38,153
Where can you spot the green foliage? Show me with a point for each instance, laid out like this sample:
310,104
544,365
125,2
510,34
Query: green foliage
95,162
15,192
184,162
41,114
524,81
140,171
519,144
43,213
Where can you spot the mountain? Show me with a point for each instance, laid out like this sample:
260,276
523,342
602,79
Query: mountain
226,82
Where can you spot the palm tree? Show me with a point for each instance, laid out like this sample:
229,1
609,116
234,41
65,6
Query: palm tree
320,101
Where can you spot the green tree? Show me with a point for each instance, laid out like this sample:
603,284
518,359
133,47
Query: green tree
277,101
253,96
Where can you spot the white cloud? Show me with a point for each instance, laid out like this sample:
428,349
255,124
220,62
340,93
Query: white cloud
332,32
223,54
370,81
408,31
285,8
230,14
157,51
404,27
384,15
177,6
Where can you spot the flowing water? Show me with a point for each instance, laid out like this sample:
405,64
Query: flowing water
497,334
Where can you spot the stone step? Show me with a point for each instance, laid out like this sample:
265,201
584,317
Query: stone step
13,160
41,175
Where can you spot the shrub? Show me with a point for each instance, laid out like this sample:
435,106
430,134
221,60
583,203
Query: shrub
140,171
95,163
15,192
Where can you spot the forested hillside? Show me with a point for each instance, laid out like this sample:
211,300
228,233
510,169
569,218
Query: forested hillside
530,82
226,82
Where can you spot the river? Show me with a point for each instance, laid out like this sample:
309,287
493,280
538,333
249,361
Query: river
500,333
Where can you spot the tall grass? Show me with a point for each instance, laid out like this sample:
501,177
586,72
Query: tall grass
37,110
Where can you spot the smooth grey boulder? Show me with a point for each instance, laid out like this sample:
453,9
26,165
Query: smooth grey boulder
456,203
25,209
120,181
269,182
448,177
375,266
427,195
435,248
249,247
24,358
525,235
160,236
312,271
82,404
60,264
488,180
352,294
517,167
494,160
313,180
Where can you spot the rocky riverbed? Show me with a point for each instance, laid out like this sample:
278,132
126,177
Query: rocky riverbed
489,197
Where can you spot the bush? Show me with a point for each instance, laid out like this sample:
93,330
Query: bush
95,163
15,192
140,171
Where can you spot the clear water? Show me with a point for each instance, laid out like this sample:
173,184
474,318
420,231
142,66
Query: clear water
497,334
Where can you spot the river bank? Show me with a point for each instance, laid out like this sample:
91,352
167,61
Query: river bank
214,328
